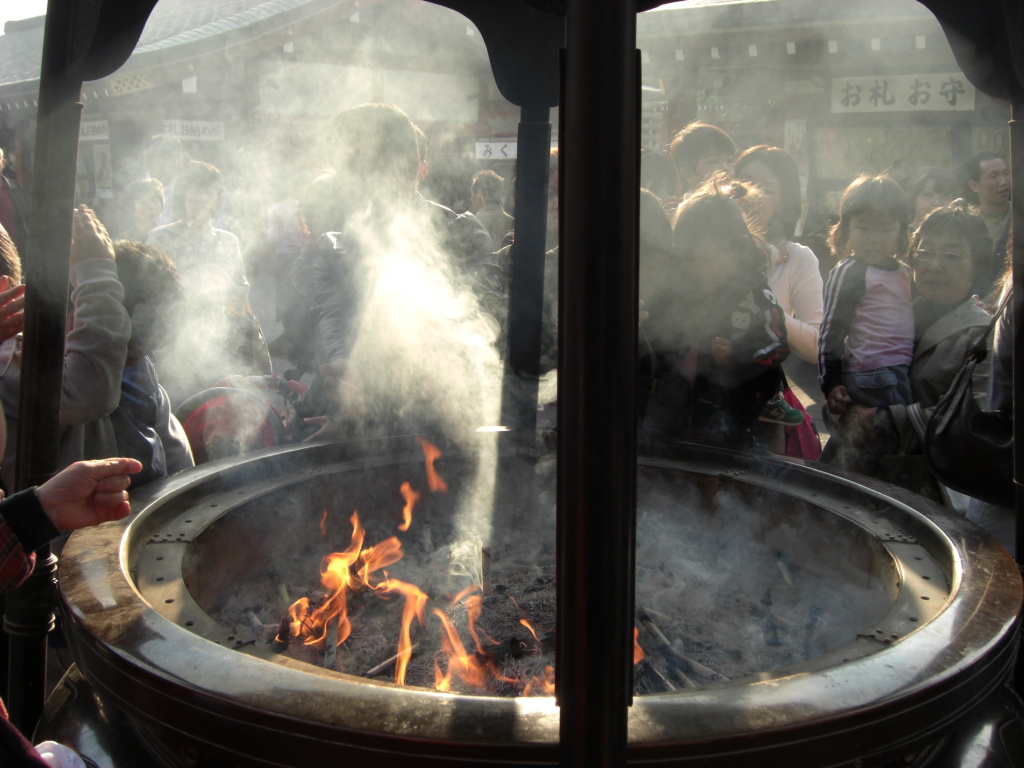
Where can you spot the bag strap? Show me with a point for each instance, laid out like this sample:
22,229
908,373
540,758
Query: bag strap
958,390
979,350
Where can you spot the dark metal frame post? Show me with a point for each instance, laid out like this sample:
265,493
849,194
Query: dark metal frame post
29,613
82,40
526,292
1017,261
597,442
1017,307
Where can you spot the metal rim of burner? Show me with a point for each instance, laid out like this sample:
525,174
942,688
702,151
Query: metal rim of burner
955,627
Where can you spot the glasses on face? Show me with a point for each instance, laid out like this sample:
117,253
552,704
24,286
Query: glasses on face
947,259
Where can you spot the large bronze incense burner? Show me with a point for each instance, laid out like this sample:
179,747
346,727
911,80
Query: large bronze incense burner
919,638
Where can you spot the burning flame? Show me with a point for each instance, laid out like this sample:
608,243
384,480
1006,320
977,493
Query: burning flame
411,497
415,600
638,652
462,595
356,569
299,613
431,453
526,624
545,683
474,607
464,666
377,557
340,574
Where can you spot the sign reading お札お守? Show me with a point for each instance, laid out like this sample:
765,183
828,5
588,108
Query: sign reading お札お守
902,93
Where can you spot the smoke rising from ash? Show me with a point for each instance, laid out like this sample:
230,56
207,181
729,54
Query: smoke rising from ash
750,582
424,352
426,355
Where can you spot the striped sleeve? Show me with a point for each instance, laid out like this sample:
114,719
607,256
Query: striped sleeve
24,527
15,563
843,291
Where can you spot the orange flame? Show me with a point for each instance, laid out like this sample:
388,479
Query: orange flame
378,556
638,652
340,574
462,595
298,611
526,624
442,680
354,569
545,683
411,497
431,453
464,666
474,607
415,599
336,577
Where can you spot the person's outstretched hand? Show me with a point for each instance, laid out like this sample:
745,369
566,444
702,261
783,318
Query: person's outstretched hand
88,493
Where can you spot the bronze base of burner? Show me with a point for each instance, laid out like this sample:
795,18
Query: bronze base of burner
75,716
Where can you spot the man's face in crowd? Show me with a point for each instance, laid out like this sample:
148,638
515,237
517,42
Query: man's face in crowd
993,184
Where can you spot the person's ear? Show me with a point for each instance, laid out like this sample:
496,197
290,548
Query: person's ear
421,171
974,185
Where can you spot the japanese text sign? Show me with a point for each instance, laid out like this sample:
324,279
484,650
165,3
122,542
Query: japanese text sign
902,93
94,130
194,130
496,150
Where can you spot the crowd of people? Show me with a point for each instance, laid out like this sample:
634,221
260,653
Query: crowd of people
909,282
383,288
729,290
731,293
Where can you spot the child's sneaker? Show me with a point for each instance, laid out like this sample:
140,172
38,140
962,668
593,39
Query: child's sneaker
778,411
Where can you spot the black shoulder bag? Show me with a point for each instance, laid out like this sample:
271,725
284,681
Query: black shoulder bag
968,449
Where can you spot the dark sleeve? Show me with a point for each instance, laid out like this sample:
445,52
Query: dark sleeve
24,527
763,344
772,345
843,291
467,239
25,516
335,300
